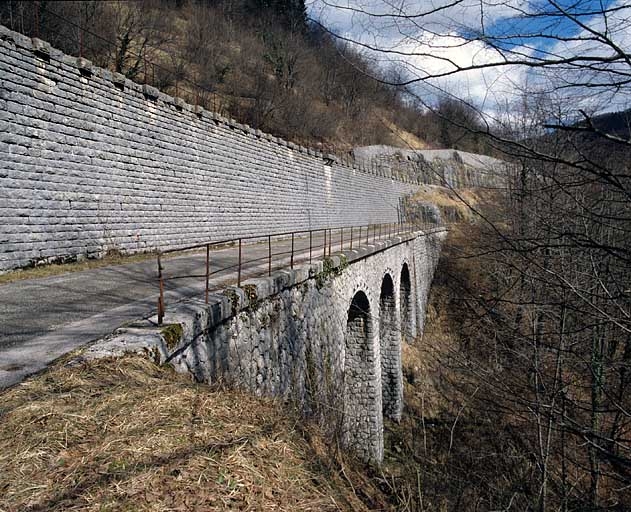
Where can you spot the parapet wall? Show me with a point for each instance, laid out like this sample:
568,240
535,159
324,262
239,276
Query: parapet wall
91,162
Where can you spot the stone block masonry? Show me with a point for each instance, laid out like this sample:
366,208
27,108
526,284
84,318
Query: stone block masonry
91,162
326,336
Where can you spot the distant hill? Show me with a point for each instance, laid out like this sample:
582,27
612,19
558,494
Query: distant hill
614,123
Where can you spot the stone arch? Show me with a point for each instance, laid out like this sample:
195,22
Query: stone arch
390,349
363,416
405,299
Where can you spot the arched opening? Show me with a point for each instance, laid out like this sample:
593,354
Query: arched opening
363,417
405,294
390,344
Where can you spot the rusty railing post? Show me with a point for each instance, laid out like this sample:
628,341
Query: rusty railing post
269,255
207,270
352,237
341,239
324,255
291,261
161,298
330,236
239,266
310,245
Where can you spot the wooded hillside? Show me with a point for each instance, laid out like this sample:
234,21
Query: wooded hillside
261,62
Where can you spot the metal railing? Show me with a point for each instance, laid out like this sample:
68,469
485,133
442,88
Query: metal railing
320,242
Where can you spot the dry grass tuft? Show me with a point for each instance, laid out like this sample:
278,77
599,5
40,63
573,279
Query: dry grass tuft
455,205
402,137
125,434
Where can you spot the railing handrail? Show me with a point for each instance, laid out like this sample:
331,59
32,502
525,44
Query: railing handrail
282,233
393,229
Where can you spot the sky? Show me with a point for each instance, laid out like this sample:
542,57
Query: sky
507,39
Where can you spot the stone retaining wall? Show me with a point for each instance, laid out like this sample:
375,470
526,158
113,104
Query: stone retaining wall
91,162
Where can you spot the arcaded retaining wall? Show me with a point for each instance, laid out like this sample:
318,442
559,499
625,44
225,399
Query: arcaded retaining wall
316,335
91,162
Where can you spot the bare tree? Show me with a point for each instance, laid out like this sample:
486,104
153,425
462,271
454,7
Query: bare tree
550,341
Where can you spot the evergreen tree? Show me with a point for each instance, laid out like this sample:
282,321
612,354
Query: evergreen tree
291,14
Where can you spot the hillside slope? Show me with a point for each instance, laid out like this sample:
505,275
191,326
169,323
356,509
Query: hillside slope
261,63
128,435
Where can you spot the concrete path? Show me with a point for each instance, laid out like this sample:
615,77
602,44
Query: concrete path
42,319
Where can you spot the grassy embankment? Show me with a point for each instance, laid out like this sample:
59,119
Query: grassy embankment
128,435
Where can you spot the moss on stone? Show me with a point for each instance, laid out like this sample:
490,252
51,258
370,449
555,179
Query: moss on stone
252,295
329,270
172,335
234,300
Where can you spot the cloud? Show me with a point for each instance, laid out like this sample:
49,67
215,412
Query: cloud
602,82
435,39
424,37
379,18
437,63
428,46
